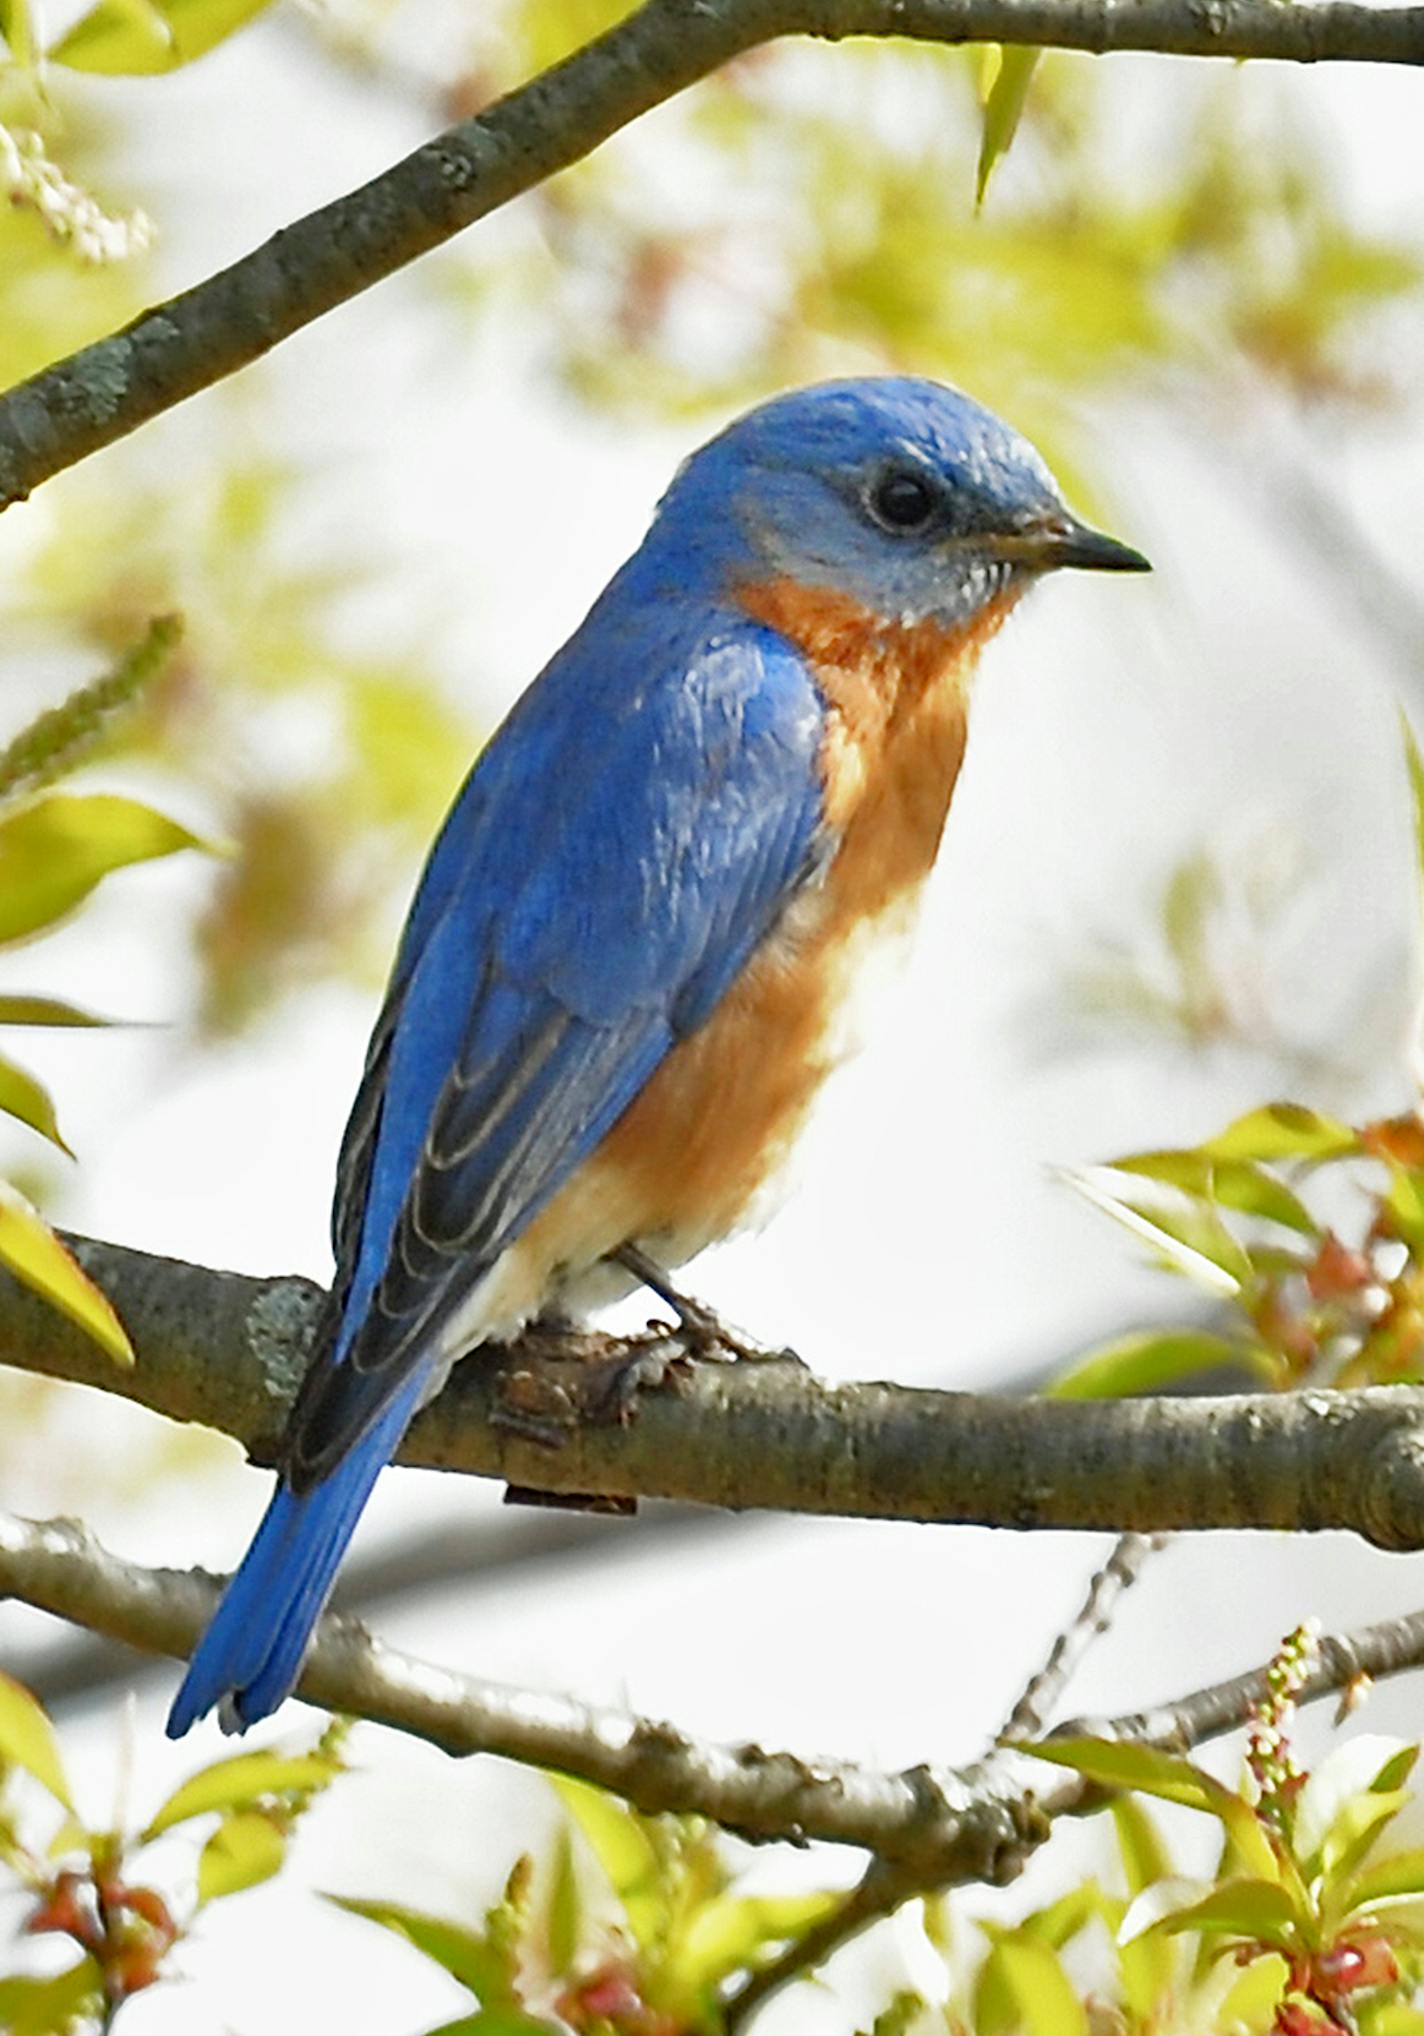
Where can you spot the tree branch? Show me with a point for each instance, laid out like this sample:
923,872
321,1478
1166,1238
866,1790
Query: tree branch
227,1350
932,1822
1030,1715
926,1827
106,390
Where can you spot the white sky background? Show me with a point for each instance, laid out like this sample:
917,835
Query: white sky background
1118,722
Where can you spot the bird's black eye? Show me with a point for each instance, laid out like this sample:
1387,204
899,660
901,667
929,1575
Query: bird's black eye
903,501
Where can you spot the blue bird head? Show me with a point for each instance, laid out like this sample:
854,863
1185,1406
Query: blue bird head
898,492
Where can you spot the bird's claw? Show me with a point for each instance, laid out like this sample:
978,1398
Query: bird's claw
699,1329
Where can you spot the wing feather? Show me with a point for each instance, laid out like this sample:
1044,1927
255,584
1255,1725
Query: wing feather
615,856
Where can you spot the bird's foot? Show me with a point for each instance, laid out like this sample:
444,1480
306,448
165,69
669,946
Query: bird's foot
561,1381
701,1331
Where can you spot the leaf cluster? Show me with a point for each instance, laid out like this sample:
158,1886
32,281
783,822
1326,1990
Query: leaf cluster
56,848
1307,1231
646,1951
92,1887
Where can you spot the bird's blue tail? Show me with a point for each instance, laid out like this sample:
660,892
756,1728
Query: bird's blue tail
251,1654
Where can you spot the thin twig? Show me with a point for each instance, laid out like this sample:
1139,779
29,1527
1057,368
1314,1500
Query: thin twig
1029,1717
879,1892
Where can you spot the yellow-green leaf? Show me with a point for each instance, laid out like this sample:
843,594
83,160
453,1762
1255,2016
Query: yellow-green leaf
1192,1241
1234,1183
47,1011
1253,1998
43,2007
467,1955
29,1101
1283,1131
563,1916
138,37
1258,1909
239,1783
18,29
246,1849
27,1740
728,1933
624,1851
1047,2003
35,1255
1003,109
1124,1765
54,850
1415,766
1146,1361
1145,1858
1347,1798
1400,1878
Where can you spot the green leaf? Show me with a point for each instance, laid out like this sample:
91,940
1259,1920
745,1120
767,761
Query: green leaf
1146,1361
54,851
1404,1201
29,1102
1147,1963
47,1011
1003,109
563,1914
1145,1858
465,1954
899,2016
1399,1878
1123,1765
32,1252
239,1784
1283,1131
1234,1183
27,1740
1261,1910
50,2007
1033,1975
1252,1999
140,37
18,28
1060,1922
728,1933
1193,1242
246,1849
624,1851
1352,1792
1414,763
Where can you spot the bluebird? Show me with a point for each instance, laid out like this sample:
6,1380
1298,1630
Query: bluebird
622,978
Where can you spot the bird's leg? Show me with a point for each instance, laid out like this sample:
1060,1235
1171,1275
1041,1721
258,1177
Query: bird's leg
702,1331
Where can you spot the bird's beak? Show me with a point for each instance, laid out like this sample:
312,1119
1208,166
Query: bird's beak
1064,541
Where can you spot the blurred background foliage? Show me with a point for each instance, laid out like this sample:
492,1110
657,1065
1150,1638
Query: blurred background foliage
801,234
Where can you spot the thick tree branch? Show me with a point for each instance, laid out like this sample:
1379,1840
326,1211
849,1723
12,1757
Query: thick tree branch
226,1349
109,388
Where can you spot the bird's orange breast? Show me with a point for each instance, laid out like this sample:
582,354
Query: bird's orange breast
696,1147
689,1159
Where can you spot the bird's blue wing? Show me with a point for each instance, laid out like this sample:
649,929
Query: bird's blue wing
627,840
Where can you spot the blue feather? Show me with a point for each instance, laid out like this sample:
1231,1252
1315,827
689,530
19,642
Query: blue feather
252,1652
